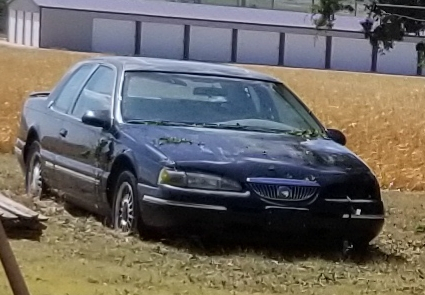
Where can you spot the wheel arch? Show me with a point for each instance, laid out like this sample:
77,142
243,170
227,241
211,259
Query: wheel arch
31,137
121,163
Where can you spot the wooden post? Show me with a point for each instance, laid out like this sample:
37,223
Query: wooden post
10,265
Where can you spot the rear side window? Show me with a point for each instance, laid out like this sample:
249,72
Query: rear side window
72,87
97,93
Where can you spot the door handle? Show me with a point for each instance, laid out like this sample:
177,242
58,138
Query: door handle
63,132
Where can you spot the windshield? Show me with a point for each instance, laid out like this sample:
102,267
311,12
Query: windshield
212,101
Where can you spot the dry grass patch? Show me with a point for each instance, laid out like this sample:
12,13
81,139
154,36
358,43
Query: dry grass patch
23,71
381,115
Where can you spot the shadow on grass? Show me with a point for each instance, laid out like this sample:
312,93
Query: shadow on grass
279,247
81,213
24,230
292,249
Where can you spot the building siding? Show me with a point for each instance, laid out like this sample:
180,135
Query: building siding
114,36
24,5
66,29
258,47
305,51
162,40
210,44
204,39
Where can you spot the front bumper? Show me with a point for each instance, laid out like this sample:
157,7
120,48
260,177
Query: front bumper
169,207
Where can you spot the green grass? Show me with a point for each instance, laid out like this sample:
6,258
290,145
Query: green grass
76,255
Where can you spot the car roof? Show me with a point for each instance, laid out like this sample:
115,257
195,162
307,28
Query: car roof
133,63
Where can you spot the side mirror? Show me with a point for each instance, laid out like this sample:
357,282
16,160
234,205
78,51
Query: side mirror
97,119
337,136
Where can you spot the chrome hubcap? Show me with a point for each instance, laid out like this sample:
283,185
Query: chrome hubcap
125,208
35,182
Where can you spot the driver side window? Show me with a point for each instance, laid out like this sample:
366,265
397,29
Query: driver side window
97,93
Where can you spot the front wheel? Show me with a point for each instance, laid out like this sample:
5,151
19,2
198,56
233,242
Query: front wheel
125,210
361,245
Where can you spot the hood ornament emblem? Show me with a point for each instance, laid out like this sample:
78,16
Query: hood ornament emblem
284,192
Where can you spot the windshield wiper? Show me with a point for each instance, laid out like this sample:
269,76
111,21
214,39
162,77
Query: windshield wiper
243,127
307,133
159,122
203,125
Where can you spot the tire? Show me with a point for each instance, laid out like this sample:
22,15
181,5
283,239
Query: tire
125,208
361,246
35,185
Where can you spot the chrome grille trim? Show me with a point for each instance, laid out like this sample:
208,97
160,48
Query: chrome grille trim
295,190
271,192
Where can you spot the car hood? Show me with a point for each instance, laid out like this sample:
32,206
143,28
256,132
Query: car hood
256,153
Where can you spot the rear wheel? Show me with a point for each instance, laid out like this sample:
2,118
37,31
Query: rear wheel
34,182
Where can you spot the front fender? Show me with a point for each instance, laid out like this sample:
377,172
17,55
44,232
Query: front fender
146,160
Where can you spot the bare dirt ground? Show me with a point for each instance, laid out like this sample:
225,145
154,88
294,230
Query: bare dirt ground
77,255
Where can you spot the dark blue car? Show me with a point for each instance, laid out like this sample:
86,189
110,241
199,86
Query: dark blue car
160,144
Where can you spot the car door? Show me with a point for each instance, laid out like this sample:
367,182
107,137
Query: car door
86,148
61,100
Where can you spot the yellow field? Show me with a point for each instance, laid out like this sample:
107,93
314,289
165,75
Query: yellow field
382,116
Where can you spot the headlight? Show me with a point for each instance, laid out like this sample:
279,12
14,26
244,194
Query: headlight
197,180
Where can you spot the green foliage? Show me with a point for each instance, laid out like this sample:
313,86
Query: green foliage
393,23
420,48
307,133
397,22
326,10
173,140
420,228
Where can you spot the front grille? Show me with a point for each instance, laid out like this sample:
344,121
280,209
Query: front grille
284,192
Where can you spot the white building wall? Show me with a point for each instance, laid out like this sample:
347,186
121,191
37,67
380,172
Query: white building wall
305,51
23,27
11,37
35,36
27,28
258,47
210,44
164,37
20,22
162,40
113,36
23,5
20,27
402,59
351,54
